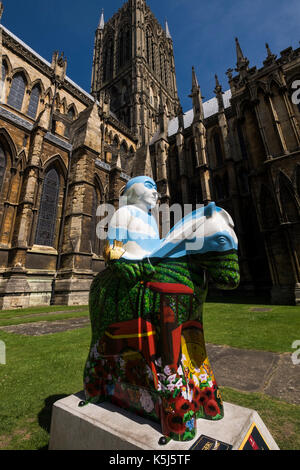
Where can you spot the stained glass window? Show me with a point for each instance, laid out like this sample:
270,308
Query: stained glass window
45,232
34,102
17,91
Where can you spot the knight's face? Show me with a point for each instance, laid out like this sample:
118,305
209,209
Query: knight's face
147,193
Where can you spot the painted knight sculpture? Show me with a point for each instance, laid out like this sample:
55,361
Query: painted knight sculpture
147,351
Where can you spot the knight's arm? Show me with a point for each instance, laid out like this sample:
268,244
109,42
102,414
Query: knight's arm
130,271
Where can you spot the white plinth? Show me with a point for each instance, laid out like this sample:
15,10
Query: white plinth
106,427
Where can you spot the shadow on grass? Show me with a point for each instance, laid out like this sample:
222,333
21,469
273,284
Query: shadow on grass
228,297
44,416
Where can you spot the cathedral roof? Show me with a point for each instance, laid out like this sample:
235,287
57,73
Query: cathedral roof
210,108
29,49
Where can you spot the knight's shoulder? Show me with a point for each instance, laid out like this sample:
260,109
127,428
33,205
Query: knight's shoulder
123,213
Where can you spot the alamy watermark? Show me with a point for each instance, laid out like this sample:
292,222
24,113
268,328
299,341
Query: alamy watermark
296,354
165,215
296,94
2,353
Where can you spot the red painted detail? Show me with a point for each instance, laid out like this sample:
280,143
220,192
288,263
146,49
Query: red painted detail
170,288
253,443
168,314
134,329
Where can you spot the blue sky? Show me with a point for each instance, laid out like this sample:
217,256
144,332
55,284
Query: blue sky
203,33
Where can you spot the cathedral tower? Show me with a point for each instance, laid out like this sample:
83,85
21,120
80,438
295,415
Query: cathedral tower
134,63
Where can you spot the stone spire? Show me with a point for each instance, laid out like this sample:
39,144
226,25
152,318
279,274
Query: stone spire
270,57
168,34
242,61
219,94
180,119
197,98
1,10
101,22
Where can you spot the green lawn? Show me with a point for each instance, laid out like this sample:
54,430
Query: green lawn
34,314
43,369
237,325
39,371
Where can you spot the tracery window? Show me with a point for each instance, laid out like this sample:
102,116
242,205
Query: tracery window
290,210
2,165
34,102
162,65
3,75
242,141
218,149
17,91
4,71
45,231
150,49
96,242
71,113
108,62
193,154
124,46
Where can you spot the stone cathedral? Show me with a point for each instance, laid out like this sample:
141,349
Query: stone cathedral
64,151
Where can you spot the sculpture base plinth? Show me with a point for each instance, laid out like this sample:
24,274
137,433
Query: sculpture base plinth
106,427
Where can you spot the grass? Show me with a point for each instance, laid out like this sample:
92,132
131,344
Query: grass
42,369
237,325
39,371
35,314
282,419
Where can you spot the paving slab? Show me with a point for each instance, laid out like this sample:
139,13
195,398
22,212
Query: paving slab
243,369
47,327
285,381
57,312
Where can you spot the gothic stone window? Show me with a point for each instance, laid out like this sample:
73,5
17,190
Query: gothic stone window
17,91
124,46
242,141
108,61
268,210
218,149
34,101
150,49
45,232
2,165
193,154
71,117
290,210
71,114
97,243
162,63
4,71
